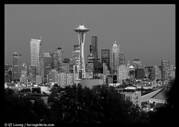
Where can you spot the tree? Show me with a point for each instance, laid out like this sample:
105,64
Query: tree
102,104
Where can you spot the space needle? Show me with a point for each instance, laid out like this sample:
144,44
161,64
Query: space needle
81,30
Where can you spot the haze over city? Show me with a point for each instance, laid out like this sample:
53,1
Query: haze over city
146,32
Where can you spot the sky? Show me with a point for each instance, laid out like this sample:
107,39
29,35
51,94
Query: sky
144,31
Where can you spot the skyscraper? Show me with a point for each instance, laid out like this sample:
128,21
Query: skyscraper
150,72
105,57
164,69
57,59
115,57
47,61
35,52
82,30
122,73
35,58
94,44
16,66
90,64
157,72
121,58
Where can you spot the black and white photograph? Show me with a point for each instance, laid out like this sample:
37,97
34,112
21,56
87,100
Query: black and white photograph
89,63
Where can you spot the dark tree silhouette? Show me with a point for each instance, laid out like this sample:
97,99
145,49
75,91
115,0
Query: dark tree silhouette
102,104
19,108
167,114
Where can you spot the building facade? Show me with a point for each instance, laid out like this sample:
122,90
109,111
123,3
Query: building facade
105,57
115,57
164,70
35,52
122,59
57,59
122,73
139,73
157,73
16,66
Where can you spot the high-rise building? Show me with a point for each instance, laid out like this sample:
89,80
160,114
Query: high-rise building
131,72
16,66
172,72
35,59
105,57
157,72
53,76
69,79
32,74
57,59
121,58
66,65
122,73
94,44
94,51
35,52
164,69
23,77
90,64
46,67
105,69
139,73
82,30
115,57
150,72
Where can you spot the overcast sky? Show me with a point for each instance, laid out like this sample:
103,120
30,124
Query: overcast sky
144,31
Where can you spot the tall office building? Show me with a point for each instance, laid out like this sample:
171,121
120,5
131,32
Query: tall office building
94,51
115,57
105,57
66,65
35,59
46,67
122,73
57,59
131,71
164,69
157,72
139,73
94,44
150,72
23,77
172,72
122,59
90,64
82,30
35,52
53,76
16,66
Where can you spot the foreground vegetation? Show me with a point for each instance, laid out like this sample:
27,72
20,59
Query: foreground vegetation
74,104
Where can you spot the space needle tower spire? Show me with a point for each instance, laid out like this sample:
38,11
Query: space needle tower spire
81,30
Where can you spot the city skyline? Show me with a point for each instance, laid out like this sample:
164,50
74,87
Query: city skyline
133,36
